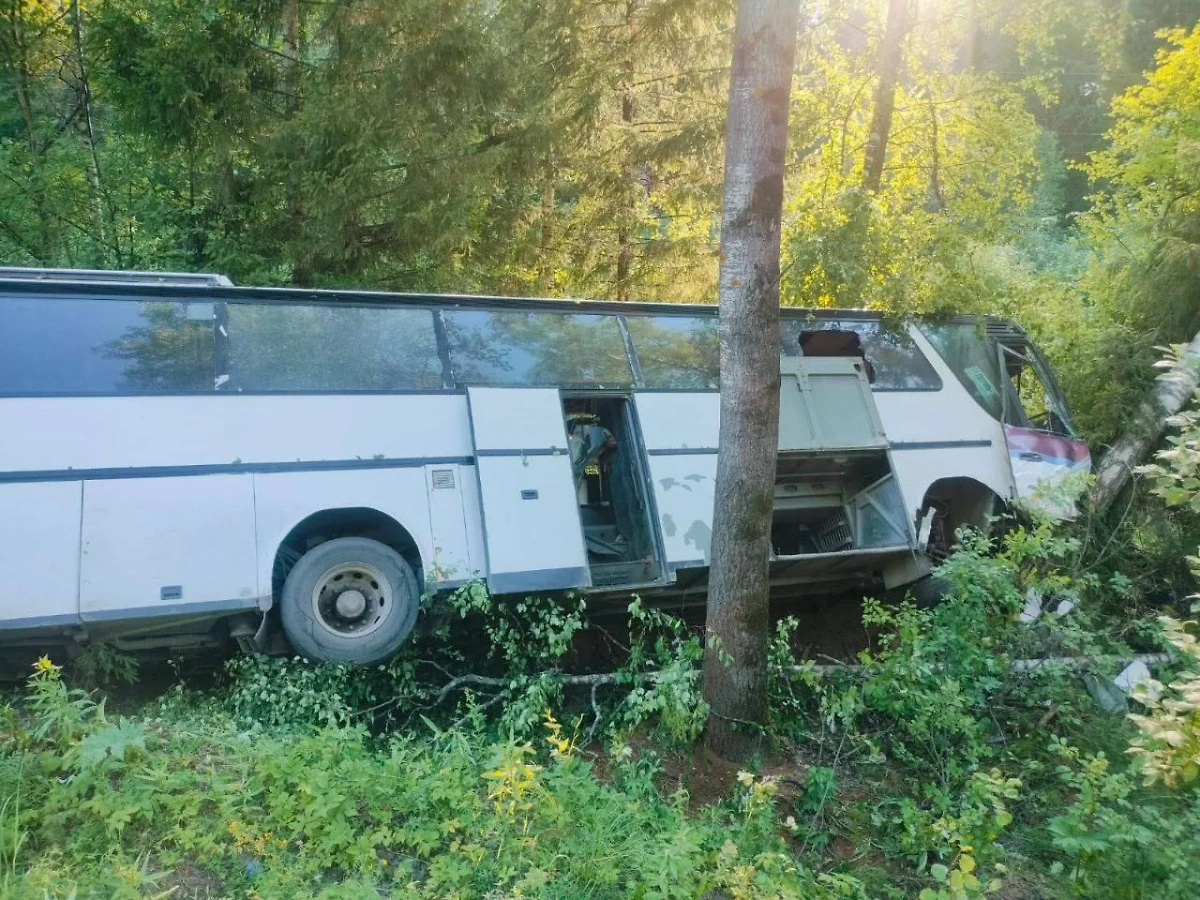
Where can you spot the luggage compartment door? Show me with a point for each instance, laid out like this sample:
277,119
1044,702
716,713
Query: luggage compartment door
531,524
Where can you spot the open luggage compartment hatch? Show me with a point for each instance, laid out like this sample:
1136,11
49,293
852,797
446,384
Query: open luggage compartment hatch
837,506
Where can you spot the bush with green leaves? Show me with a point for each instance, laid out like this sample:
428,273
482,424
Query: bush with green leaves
125,809
517,667
1121,839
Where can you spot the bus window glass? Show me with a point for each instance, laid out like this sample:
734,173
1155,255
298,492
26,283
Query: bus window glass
677,352
524,349
96,346
1032,403
281,347
973,359
898,361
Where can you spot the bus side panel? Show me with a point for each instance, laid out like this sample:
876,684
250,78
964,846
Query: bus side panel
451,557
473,521
60,433
284,500
167,546
942,434
39,554
917,470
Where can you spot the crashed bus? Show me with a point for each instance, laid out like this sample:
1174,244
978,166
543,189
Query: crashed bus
184,462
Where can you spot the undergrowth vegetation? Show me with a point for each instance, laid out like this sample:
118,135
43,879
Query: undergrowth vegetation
969,751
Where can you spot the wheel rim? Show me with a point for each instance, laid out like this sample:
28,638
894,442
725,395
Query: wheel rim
352,599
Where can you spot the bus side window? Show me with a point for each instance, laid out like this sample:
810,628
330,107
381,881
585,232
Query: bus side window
294,347
676,352
513,348
93,345
1028,402
898,362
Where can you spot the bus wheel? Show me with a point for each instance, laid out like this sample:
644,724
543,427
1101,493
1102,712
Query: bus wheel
350,600
926,592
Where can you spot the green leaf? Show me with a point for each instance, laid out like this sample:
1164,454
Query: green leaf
112,740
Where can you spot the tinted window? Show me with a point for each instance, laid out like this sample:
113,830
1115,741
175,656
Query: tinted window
679,352
282,347
92,346
898,361
535,348
973,359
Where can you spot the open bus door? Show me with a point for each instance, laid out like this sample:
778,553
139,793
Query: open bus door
527,492
1043,448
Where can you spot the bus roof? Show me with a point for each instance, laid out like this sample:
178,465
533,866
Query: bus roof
219,287
103,276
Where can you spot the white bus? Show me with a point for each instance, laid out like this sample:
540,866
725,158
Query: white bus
183,461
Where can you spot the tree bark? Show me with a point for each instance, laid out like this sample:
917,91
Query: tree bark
100,219
628,200
891,56
735,660
1146,428
302,257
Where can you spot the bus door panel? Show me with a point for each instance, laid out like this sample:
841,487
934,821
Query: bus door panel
532,533
1046,458
684,487
167,546
681,431
39,554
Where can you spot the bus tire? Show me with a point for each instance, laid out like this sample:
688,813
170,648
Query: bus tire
927,592
350,600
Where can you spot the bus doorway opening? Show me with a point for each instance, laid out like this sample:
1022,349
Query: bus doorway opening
610,485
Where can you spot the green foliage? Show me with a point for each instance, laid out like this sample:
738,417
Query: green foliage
517,664
448,814
559,148
102,665
1121,843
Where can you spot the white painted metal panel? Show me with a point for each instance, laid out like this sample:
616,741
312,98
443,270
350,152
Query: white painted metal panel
942,434
684,493
531,523
451,554
517,419
473,520
284,500
154,546
679,421
59,433
39,554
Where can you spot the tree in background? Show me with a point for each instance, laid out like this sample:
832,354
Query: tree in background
1146,230
738,622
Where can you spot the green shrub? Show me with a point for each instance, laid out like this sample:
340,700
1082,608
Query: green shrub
119,809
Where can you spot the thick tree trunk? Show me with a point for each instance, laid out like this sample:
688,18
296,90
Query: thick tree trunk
735,660
891,57
1146,428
